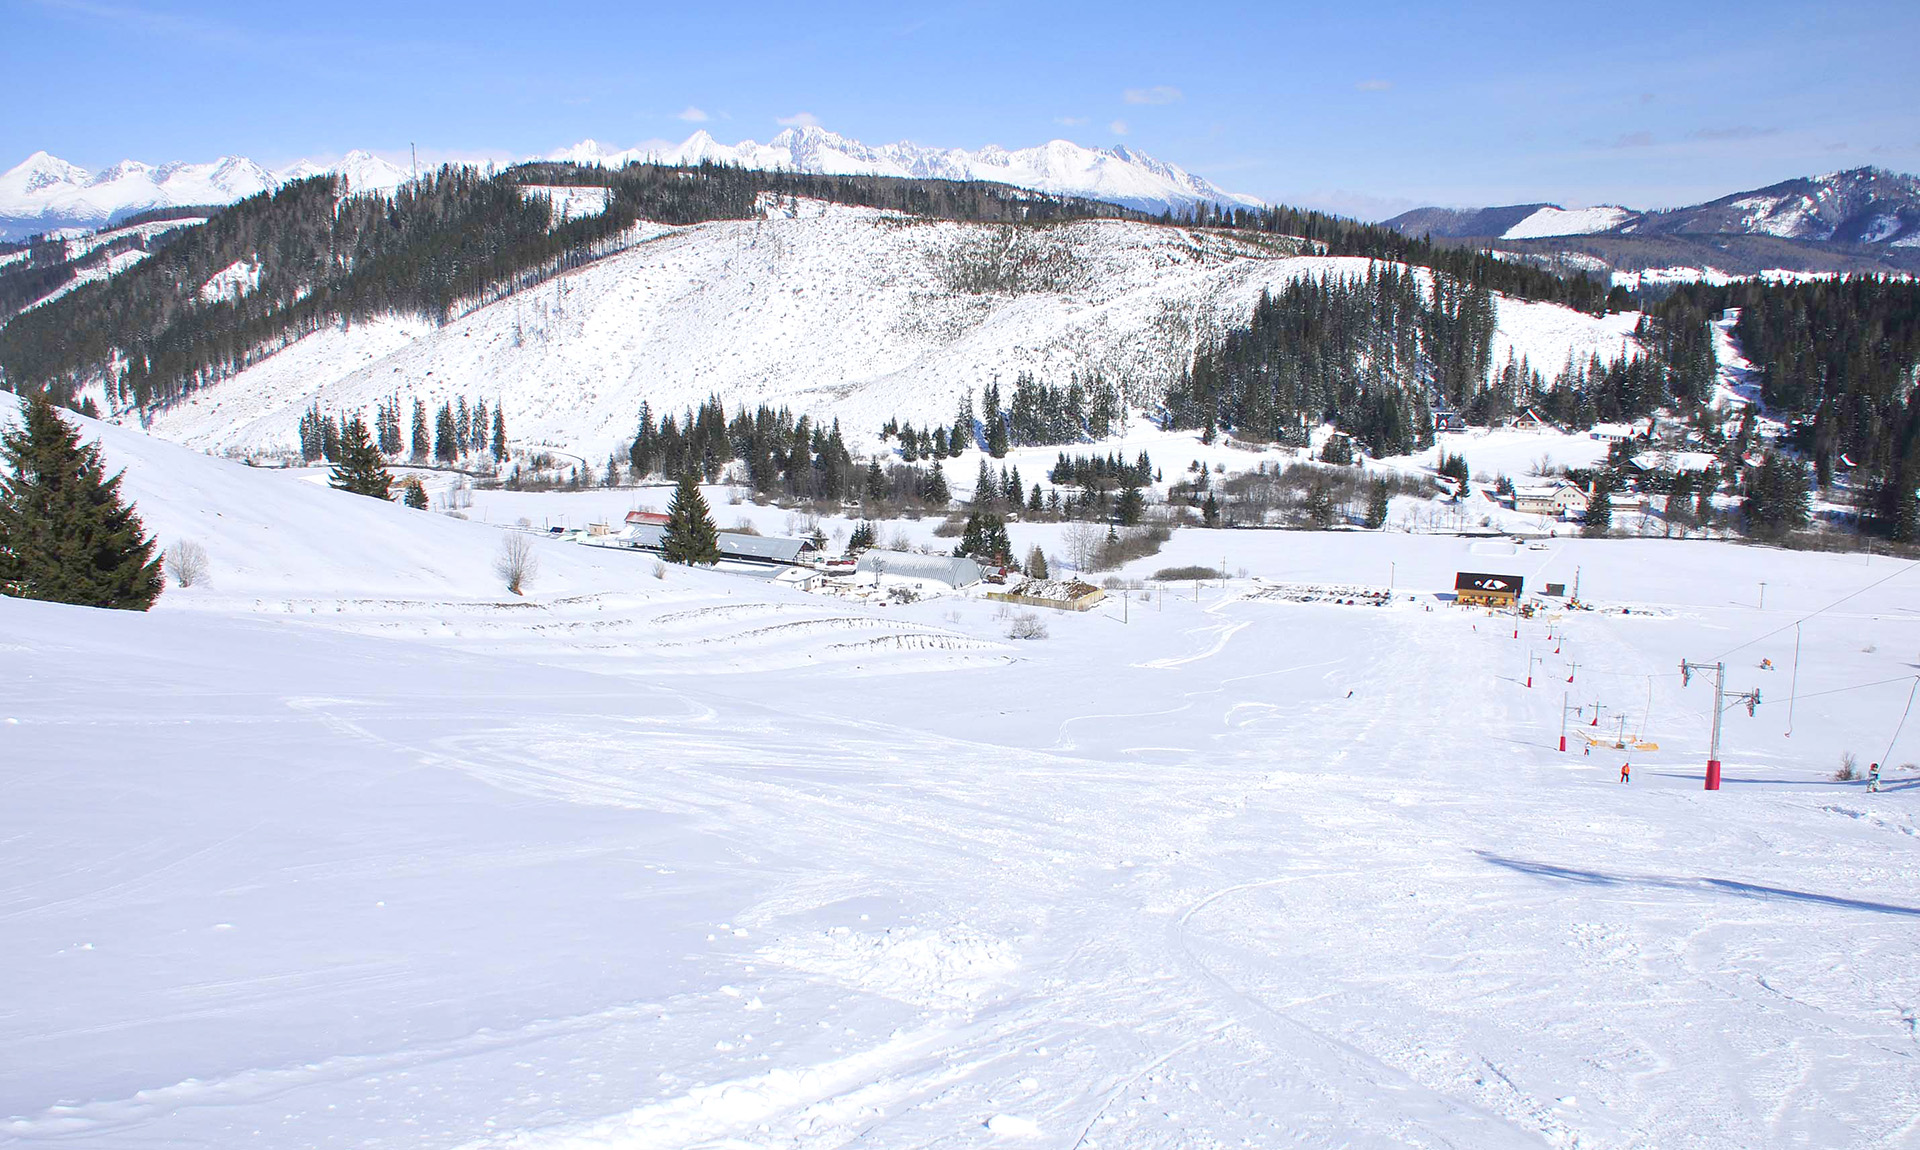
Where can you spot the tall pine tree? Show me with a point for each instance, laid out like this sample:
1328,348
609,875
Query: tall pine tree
360,468
65,535
691,536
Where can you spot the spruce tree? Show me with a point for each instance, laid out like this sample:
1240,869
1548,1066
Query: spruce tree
691,536
1036,563
937,492
1600,508
861,538
65,535
360,468
422,444
413,493
1377,505
499,433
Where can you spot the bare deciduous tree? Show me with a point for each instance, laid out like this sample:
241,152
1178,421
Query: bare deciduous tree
516,563
186,562
1083,542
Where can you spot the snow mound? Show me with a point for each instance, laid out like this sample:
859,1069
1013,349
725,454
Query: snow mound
951,968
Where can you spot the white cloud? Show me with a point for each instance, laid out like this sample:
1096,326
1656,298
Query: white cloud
1071,121
799,120
1373,86
1118,127
693,115
1159,94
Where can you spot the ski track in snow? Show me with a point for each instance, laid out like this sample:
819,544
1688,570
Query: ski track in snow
661,862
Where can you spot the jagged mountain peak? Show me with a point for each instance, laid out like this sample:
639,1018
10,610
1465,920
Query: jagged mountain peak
45,193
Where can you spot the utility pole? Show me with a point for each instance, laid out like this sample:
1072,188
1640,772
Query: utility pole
1720,701
1531,660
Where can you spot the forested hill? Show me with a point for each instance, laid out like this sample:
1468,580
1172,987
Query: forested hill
1840,360
434,247
302,258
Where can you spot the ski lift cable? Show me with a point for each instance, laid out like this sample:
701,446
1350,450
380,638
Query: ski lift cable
1901,725
1821,611
1864,686
1793,691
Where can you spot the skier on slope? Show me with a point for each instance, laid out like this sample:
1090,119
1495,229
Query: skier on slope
1873,778
1626,772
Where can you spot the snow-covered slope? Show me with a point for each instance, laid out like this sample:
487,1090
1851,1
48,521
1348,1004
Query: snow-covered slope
1116,175
1552,221
348,849
45,194
842,312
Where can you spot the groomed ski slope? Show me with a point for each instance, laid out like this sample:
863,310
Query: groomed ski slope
345,849
840,312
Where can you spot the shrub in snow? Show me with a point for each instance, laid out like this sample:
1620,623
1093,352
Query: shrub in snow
1848,767
1027,625
186,562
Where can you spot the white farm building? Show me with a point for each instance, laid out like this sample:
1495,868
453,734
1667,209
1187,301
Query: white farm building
951,570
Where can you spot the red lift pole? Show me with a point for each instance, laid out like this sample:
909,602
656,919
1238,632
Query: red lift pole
1720,701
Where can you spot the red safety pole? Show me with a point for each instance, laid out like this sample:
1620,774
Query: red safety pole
1563,722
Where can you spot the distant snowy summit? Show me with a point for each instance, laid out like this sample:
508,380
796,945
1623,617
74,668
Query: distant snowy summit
1114,175
1863,206
48,194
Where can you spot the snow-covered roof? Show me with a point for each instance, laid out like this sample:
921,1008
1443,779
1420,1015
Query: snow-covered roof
764,548
952,570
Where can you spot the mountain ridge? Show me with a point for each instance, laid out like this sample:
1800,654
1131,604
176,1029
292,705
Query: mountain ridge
1864,206
45,194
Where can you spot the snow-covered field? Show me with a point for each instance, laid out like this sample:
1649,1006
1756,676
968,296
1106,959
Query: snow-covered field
346,848
840,312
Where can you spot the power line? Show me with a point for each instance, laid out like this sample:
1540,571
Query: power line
1821,611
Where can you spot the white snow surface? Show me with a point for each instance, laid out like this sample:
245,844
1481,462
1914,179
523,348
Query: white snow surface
1551,221
232,282
345,847
841,312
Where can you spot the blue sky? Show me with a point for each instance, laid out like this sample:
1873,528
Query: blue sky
1364,108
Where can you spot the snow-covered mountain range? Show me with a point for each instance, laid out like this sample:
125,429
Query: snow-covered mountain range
1116,175
1865,206
46,194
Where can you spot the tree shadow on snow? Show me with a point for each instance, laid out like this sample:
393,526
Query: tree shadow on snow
1718,885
